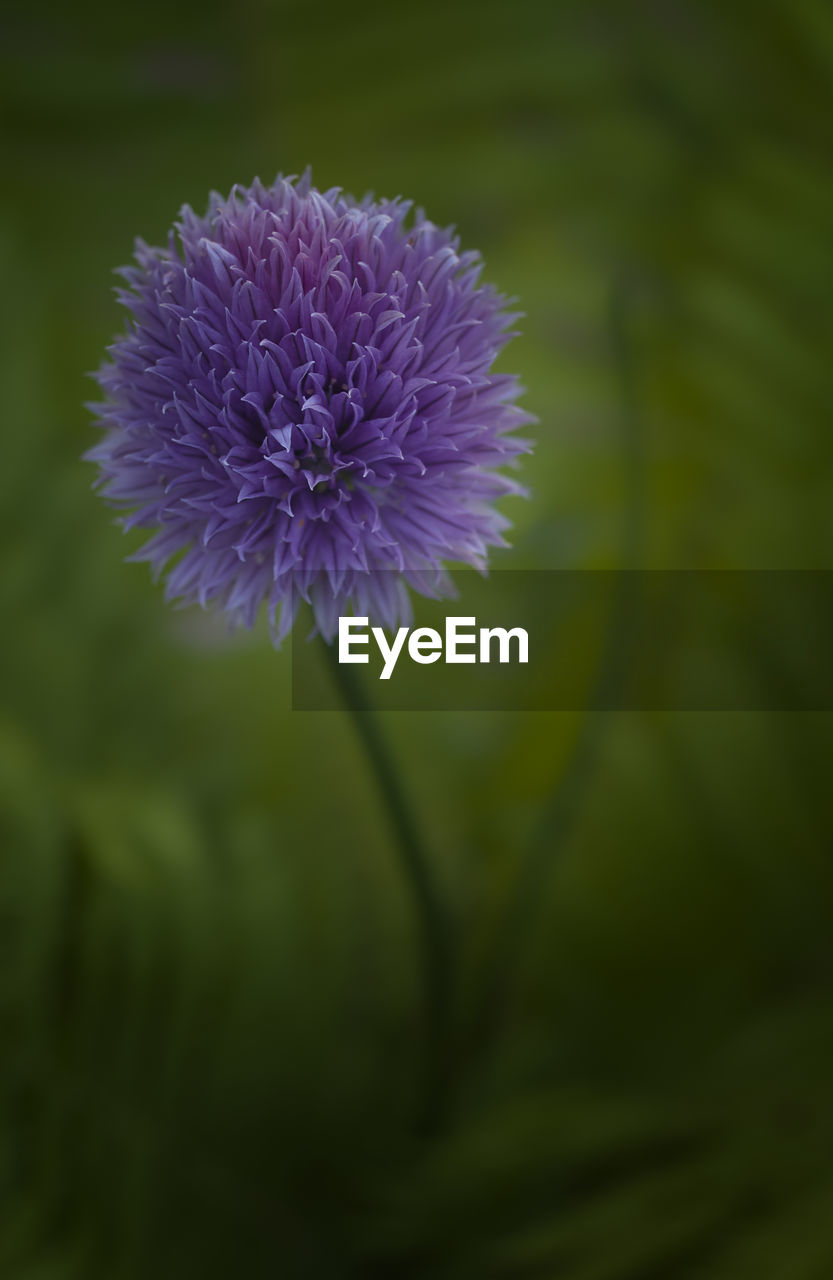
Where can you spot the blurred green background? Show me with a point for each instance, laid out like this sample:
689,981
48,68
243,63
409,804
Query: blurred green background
210,1007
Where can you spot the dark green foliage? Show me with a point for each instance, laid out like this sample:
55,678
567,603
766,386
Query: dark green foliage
209,1005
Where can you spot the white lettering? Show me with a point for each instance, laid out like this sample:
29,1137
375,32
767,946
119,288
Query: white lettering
503,637
390,655
453,638
345,640
425,645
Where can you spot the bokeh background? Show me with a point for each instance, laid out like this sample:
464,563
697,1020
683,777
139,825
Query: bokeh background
210,1007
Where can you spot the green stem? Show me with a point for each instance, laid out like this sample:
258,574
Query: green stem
431,920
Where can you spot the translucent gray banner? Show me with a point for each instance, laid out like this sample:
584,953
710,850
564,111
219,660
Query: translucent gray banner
674,640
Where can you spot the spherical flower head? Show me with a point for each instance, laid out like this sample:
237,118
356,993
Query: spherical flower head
302,406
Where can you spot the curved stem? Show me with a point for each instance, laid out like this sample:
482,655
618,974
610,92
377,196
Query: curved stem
554,826
431,918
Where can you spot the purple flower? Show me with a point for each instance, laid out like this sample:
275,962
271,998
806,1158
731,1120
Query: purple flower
303,405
